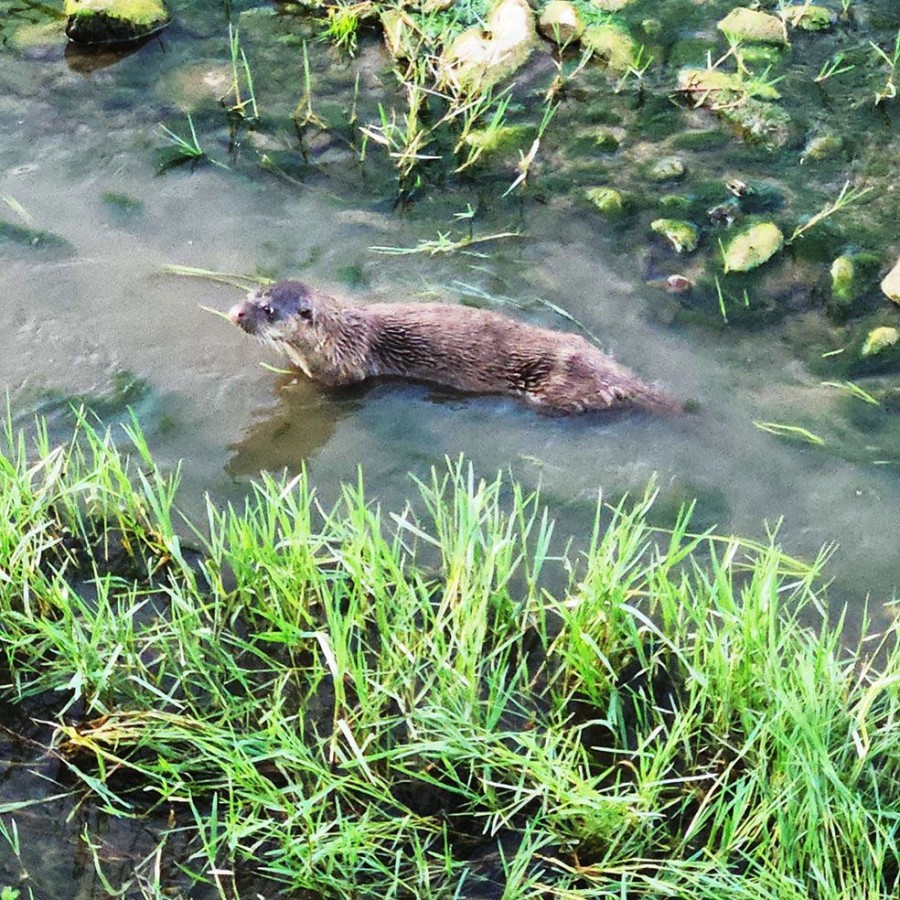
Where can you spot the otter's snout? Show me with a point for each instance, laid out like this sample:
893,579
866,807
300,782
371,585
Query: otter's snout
242,315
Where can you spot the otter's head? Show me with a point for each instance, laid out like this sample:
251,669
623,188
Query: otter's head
273,312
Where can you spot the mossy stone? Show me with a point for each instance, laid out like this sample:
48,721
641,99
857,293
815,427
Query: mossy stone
682,235
809,17
880,339
114,21
714,88
669,168
606,140
675,202
479,58
33,238
196,85
561,22
753,246
497,140
760,56
760,122
398,37
123,207
822,146
607,201
610,44
752,25
843,281
710,87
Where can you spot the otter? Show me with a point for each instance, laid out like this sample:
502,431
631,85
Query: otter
470,350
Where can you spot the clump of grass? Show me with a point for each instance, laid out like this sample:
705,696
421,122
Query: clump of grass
241,100
348,700
833,67
888,91
181,150
846,198
343,22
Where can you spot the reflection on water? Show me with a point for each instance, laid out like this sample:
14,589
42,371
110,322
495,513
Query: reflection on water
282,437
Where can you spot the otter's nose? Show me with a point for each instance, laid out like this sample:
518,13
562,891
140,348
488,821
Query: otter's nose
237,314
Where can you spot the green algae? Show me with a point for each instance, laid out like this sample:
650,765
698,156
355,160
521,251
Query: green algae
36,238
752,247
612,45
682,235
607,201
114,21
752,25
880,339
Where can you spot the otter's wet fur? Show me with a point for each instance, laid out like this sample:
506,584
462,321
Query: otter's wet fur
472,350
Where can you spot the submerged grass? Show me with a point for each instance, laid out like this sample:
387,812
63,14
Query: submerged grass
361,703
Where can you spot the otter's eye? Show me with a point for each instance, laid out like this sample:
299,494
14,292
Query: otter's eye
269,312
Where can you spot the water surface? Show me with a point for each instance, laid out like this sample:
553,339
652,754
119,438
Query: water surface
90,314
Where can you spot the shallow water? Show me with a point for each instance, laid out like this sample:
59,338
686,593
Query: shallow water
81,313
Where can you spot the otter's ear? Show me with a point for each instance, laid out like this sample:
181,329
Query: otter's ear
305,312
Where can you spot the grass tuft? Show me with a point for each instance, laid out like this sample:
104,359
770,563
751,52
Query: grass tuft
361,702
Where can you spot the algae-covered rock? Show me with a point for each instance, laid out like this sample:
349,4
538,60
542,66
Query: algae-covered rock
718,90
726,213
669,168
561,22
808,17
843,280
607,201
890,285
752,247
682,235
114,21
498,140
760,122
710,86
123,208
854,276
608,140
879,339
511,28
610,44
479,59
752,25
822,145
